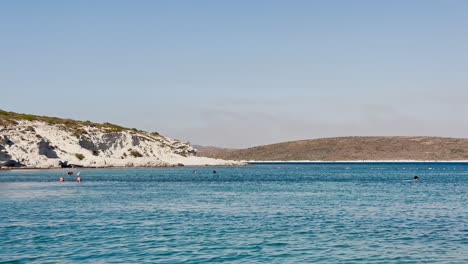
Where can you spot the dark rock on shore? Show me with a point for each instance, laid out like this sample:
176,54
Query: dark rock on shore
12,164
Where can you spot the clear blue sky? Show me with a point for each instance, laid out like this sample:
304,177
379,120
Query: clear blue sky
241,73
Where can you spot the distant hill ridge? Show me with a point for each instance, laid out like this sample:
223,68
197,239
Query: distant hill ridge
351,148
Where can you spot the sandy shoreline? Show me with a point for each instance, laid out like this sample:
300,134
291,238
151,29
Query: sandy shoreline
241,164
353,161
124,167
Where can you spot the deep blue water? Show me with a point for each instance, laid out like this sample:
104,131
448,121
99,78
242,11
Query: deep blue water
321,213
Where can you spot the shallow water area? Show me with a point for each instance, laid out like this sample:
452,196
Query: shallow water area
287,213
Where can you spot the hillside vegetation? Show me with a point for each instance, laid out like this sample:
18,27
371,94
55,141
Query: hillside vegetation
351,148
12,118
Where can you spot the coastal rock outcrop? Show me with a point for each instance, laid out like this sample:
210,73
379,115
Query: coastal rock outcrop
4,156
44,142
11,164
46,149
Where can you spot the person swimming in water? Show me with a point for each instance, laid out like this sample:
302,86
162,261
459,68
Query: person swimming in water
61,179
78,179
416,178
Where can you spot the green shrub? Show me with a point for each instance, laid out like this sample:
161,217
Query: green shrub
79,156
79,132
29,117
136,154
112,127
7,122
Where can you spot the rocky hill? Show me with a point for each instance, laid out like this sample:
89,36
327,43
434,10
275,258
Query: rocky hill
48,142
209,151
351,149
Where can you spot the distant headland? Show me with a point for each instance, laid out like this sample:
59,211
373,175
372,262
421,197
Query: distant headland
388,149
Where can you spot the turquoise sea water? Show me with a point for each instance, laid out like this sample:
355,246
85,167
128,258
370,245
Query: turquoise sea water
322,213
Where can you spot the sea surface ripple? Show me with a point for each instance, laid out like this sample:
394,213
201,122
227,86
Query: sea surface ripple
296,213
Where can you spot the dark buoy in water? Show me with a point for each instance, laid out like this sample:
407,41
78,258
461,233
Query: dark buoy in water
214,172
